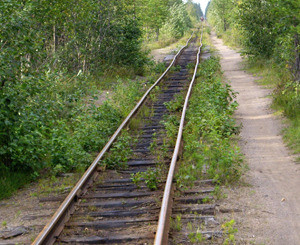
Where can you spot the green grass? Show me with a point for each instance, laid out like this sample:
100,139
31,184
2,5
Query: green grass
162,43
232,38
106,78
292,136
12,181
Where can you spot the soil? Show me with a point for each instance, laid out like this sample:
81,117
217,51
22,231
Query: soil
160,55
30,208
266,205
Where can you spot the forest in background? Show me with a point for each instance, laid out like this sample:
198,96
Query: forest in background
267,33
53,60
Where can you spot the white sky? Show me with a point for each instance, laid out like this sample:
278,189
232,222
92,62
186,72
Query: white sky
203,4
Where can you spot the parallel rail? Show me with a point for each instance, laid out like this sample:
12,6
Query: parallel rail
164,217
56,224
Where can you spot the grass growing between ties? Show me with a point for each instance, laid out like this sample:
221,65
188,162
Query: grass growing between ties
176,223
286,97
153,176
209,146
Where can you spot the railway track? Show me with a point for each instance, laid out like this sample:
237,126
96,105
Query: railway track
108,207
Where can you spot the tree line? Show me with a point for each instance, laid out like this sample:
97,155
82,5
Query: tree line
264,28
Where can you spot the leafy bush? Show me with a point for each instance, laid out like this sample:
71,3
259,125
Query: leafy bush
48,126
287,97
37,113
265,29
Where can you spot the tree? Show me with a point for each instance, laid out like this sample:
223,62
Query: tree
286,14
271,29
153,14
194,11
221,12
258,22
179,20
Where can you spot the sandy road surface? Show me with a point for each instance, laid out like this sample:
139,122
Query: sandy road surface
273,176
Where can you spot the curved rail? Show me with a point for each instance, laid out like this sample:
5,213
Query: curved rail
162,228
54,227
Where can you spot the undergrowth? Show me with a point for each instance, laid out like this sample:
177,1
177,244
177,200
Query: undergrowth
11,181
166,41
56,129
153,176
209,132
119,153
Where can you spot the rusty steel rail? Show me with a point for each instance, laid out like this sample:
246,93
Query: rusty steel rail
162,231
56,224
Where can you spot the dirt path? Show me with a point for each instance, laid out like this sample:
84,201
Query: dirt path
270,205
159,54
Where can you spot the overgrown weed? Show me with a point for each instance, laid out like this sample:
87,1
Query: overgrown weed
119,153
167,41
151,177
209,148
64,133
229,230
176,223
11,181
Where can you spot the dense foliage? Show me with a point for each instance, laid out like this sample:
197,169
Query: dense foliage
53,57
74,34
45,48
170,17
267,29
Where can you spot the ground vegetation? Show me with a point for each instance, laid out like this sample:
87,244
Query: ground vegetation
210,149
